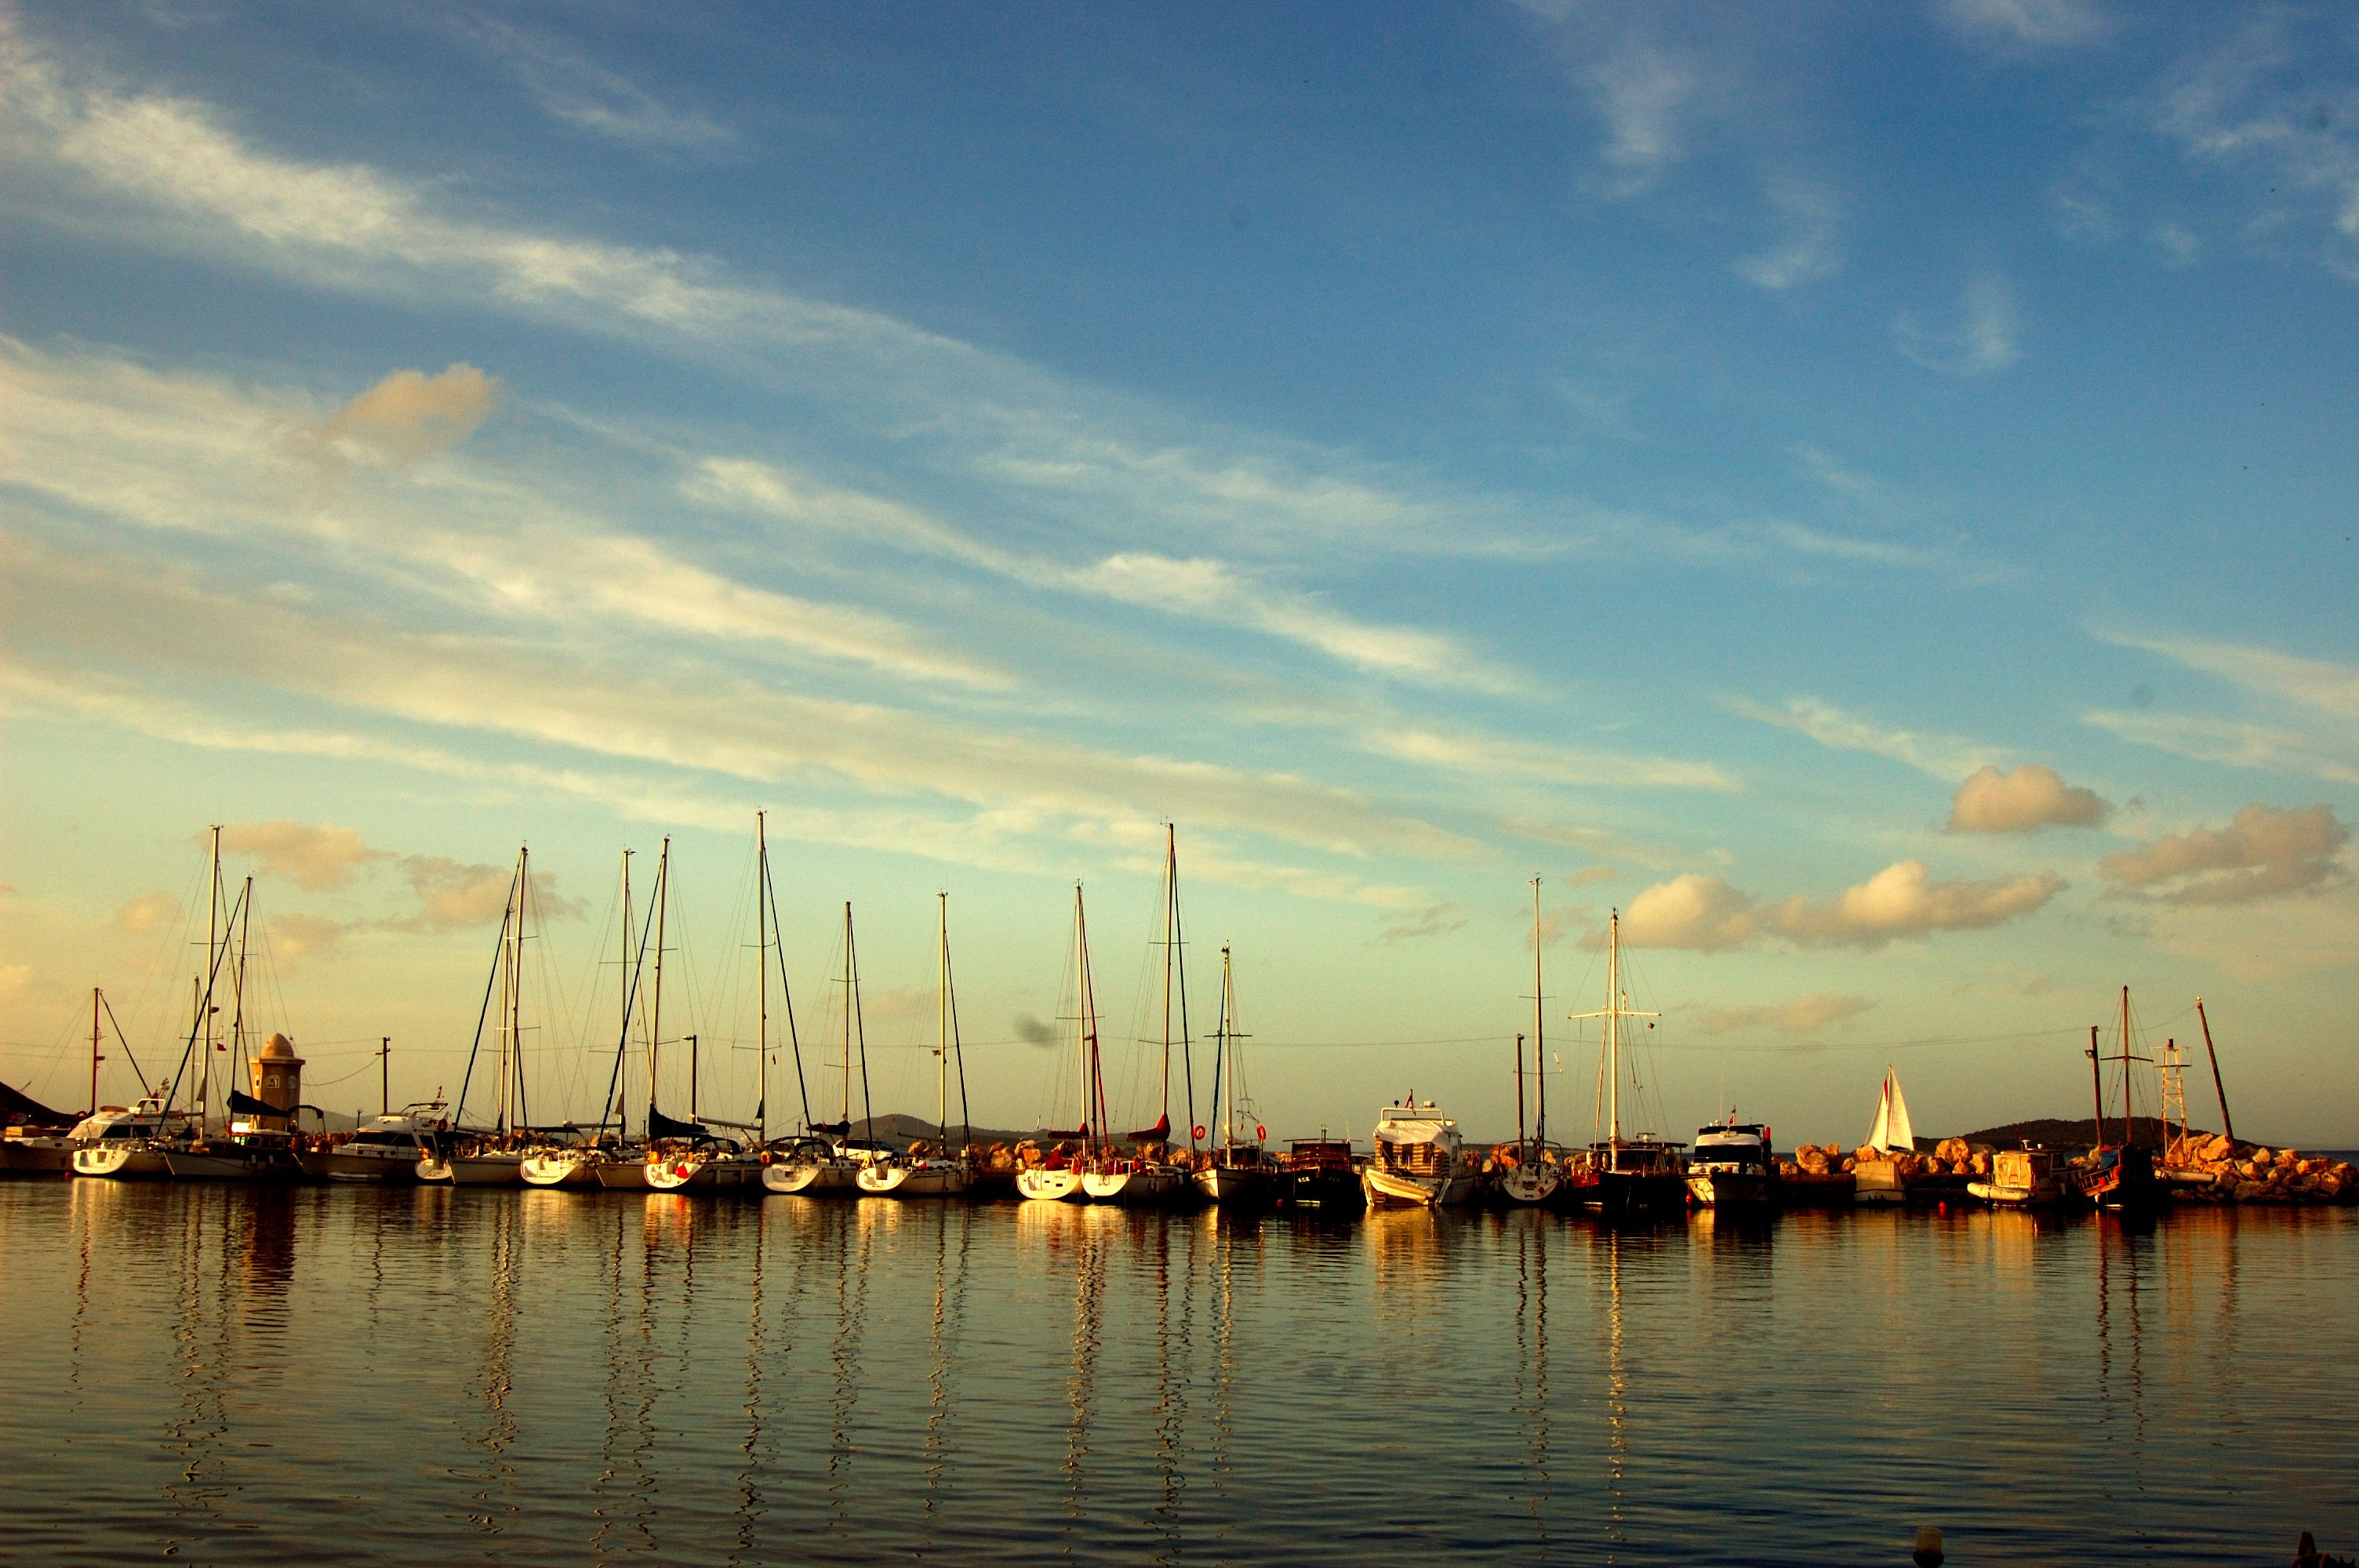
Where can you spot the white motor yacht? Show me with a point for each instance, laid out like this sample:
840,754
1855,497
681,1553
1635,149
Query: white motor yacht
386,1151
1731,1166
128,1143
1419,1158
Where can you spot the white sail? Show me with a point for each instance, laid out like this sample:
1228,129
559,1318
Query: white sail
1883,1128
1903,1137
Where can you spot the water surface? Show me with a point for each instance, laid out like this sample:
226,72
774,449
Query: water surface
220,1376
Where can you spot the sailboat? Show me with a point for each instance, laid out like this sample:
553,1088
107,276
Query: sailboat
1534,1177
1143,1175
1240,1171
1882,1180
573,1162
1627,1175
1057,1178
120,1144
2119,1175
940,1174
827,1160
624,1167
495,1157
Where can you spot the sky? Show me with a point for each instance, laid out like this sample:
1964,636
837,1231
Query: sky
1865,492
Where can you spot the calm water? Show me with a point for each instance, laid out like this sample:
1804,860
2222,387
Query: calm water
440,1377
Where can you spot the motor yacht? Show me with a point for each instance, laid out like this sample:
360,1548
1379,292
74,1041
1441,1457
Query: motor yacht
1731,1166
1419,1158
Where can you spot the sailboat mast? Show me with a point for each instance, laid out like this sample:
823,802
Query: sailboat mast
846,1114
237,978
762,976
212,968
629,988
1614,1036
851,963
2219,1087
2097,1084
943,1020
516,1114
1170,916
94,1057
655,1020
1540,1034
1228,1042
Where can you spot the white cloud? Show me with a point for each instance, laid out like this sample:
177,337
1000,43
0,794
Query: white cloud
148,912
1490,756
2264,852
1982,341
1706,915
2232,744
410,414
1944,757
2319,684
2319,695
2038,24
2029,797
1645,97
1803,1015
1808,245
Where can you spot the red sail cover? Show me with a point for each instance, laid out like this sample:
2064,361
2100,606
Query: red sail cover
1083,1131
1157,1133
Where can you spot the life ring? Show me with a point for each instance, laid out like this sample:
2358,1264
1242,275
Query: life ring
1199,1130
1261,1132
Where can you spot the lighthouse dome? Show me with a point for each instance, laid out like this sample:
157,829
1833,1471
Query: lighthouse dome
279,1048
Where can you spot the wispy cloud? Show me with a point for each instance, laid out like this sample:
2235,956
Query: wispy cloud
1944,757
2033,24
572,88
1803,1015
1807,246
1491,756
1983,338
2318,694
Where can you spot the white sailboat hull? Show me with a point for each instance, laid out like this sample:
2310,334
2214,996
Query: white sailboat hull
498,1169
1238,1185
1396,1189
821,1178
559,1168
928,1179
696,1173
1525,1185
1051,1186
1151,1184
121,1162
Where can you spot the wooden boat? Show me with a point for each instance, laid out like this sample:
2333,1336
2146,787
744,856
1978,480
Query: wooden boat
1317,1175
1419,1158
1057,1178
1731,1165
2028,1177
1238,1173
2119,1176
1626,1176
938,1174
1535,1178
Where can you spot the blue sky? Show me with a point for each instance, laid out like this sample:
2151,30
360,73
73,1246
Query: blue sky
1866,492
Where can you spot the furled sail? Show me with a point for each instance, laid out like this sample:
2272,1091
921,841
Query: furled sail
662,1126
243,1104
1159,1133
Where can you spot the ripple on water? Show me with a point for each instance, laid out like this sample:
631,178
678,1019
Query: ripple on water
229,1377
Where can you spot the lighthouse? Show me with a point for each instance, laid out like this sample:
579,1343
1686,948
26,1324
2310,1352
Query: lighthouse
277,1080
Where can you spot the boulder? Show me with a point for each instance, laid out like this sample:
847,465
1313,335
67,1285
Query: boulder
1952,1150
2251,1192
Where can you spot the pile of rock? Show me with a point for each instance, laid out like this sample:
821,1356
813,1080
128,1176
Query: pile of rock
1950,1157
2247,1172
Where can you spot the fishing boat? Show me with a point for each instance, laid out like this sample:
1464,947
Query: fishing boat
2119,1176
1318,1175
938,1174
1534,1177
826,1162
1146,1173
1419,1158
494,1156
1731,1165
1882,1180
1627,1175
1239,1171
2028,1177
386,1152
1056,1176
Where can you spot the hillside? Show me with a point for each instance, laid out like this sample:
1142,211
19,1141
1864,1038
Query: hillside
2149,1133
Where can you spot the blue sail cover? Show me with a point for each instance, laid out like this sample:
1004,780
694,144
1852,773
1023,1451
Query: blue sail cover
662,1126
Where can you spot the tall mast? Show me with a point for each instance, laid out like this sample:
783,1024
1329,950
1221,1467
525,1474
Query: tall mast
762,975
2218,1087
655,1020
212,968
94,1057
1081,1012
847,1018
1228,1050
385,1075
511,1098
1539,1033
1613,1014
1170,917
942,1023
852,1010
629,988
2097,1084
237,977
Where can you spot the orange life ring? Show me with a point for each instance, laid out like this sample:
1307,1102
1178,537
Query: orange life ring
1199,1130
1261,1132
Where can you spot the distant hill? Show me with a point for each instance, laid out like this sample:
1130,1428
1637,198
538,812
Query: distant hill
17,1107
898,1127
2149,1133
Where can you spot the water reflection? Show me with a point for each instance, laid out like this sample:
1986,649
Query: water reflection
598,1378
